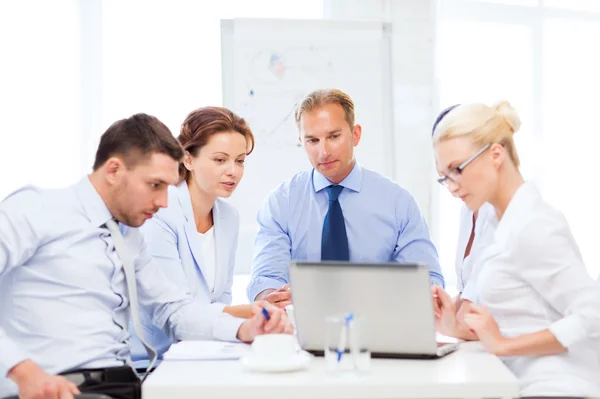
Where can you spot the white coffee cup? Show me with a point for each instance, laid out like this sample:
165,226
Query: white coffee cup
274,347
289,309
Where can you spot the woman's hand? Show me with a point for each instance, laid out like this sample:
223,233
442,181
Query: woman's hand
480,320
241,311
444,311
464,332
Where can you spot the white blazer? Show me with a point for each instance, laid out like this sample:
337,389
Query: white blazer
533,278
485,227
173,240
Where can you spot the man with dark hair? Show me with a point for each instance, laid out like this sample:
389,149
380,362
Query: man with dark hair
74,268
136,137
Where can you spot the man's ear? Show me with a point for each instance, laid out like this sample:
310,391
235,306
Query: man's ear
113,168
356,134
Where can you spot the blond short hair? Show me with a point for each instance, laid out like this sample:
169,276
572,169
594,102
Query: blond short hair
319,98
483,125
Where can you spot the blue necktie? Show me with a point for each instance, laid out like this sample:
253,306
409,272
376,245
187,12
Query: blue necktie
334,242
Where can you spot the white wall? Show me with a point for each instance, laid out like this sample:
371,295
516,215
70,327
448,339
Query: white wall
414,90
40,88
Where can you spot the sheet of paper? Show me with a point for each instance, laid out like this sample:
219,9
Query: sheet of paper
206,350
445,339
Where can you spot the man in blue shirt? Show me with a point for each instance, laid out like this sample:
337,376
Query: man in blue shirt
337,211
74,267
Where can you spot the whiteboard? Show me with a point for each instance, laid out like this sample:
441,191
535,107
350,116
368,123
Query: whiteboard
268,66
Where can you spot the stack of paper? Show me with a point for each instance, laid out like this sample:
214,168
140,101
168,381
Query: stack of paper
206,350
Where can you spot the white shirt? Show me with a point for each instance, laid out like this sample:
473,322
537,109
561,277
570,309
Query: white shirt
485,227
209,267
533,278
64,299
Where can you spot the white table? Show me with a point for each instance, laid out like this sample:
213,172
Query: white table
468,373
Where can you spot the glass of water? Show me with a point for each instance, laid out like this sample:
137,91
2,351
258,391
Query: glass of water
344,349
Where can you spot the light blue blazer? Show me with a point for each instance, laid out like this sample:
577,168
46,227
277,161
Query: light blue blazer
172,239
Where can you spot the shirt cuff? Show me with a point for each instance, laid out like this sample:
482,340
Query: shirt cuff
226,327
436,278
568,330
11,356
196,321
225,298
259,284
469,292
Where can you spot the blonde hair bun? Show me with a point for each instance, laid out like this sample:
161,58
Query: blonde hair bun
509,115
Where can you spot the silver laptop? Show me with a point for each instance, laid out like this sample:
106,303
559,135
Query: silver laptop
394,299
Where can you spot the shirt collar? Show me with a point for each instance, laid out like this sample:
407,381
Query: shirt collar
485,216
518,210
353,181
93,205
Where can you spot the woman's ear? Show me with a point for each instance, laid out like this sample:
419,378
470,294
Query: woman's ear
187,161
498,154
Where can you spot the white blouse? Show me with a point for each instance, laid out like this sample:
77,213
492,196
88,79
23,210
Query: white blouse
209,266
485,227
533,278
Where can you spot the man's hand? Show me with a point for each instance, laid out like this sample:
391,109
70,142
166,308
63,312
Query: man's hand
34,383
445,312
280,297
278,322
482,322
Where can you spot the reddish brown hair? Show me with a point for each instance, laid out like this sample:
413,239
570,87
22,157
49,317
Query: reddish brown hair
203,123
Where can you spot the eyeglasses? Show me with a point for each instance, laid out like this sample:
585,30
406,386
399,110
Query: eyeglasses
455,173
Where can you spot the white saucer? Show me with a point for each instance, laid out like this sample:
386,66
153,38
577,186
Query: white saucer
298,362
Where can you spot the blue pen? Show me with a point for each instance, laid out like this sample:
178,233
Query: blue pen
266,314
342,344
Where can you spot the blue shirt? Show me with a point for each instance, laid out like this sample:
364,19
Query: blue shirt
64,298
383,224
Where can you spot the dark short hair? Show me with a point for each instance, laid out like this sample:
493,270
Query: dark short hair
203,123
441,116
136,138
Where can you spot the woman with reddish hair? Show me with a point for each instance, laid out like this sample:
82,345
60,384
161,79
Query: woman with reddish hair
195,238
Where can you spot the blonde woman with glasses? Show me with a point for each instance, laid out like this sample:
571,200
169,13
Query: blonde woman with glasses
539,308
475,233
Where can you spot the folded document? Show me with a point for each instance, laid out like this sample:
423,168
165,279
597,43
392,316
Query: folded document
206,350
